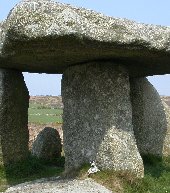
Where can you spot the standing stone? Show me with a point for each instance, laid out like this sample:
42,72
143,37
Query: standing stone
14,102
149,119
97,118
166,146
47,144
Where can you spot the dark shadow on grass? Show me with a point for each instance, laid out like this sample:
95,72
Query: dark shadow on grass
155,165
32,169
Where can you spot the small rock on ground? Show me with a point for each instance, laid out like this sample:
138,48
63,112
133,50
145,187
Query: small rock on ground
55,185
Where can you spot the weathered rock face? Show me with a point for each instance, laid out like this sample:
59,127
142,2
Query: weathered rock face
47,144
166,145
52,36
14,102
97,119
149,119
166,99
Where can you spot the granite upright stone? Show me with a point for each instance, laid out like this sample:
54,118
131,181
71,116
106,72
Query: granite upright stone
97,119
14,102
166,145
149,118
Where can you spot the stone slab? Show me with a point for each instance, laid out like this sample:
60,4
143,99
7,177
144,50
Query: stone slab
46,36
57,185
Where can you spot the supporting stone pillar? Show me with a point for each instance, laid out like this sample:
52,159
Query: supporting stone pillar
166,145
149,118
98,118
14,102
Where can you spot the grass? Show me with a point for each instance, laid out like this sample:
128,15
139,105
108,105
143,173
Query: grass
44,115
156,180
157,170
110,179
157,176
28,170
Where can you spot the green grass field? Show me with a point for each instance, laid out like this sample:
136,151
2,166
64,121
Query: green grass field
40,115
157,170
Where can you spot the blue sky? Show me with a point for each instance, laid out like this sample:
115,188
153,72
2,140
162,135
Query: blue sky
145,11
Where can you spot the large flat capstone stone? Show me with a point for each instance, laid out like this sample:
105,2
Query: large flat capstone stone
45,36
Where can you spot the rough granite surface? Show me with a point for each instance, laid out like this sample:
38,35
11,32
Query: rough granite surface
47,144
45,36
14,102
166,146
97,118
149,118
59,186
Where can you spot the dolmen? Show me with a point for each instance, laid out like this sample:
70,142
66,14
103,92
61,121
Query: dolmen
112,114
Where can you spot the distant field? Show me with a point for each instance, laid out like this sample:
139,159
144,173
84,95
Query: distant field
43,115
49,109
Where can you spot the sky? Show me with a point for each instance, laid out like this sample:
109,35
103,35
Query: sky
145,11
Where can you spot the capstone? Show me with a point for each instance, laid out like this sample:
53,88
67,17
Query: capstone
53,36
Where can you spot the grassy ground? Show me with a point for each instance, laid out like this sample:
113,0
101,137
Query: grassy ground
38,114
29,170
157,177
156,180
157,171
